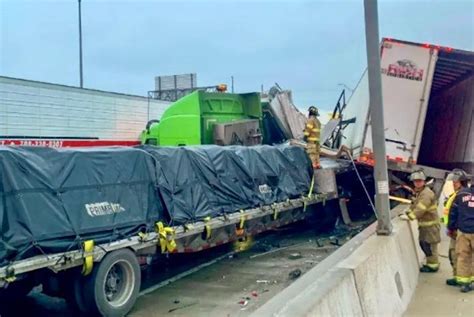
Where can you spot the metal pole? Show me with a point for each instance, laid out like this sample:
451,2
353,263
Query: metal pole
81,79
384,226
232,79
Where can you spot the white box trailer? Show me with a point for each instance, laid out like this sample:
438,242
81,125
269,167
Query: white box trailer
428,107
36,113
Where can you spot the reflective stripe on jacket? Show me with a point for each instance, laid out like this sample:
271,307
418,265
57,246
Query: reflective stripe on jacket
424,208
447,207
312,130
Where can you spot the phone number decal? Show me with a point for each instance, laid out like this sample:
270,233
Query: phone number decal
40,143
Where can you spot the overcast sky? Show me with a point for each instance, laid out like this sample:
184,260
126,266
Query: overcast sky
307,46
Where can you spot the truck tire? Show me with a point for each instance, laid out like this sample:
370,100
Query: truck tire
73,292
113,287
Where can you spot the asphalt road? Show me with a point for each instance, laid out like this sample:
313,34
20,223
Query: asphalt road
216,282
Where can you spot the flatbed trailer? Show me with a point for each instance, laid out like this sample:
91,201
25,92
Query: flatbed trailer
105,278
220,230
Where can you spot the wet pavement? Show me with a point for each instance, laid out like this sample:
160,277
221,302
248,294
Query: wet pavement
434,298
216,282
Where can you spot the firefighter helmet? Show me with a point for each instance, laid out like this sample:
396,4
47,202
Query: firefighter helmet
418,175
313,111
457,175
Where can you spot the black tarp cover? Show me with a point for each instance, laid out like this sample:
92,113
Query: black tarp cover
196,182
52,199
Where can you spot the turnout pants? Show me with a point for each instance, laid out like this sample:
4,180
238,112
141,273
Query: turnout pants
464,253
452,255
431,252
429,239
313,150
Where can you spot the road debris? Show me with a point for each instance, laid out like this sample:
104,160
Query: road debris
181,307
295,274
254,294
279,249
243,302
268,252
263,282
295,256
334,241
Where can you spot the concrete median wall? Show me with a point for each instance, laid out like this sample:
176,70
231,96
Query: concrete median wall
369,276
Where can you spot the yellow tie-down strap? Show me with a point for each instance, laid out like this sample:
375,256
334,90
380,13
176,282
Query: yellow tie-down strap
275,212
310,194
88,264
166,236
311,188
242,219
240,230
207,227
305,203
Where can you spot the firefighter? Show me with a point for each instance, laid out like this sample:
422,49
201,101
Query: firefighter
461,218
312,132
424,209
459,179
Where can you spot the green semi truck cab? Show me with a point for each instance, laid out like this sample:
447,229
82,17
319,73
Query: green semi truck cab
205,117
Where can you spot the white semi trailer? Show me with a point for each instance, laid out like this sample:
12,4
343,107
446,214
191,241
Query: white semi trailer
428,105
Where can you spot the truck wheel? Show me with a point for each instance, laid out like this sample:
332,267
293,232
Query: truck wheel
73,292
114,284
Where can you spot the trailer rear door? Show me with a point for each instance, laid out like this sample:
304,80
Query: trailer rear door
407,73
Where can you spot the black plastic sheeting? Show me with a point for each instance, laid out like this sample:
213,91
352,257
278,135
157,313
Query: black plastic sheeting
53,199
197,182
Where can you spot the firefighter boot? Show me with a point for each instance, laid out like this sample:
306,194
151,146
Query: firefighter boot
428,269
452,282
465,288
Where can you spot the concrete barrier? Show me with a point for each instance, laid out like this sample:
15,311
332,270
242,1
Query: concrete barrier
368,276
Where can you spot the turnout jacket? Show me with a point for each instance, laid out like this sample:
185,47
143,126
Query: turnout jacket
424,208
461,216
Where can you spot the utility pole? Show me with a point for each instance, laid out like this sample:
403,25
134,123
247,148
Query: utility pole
81,79
384,226
232,80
